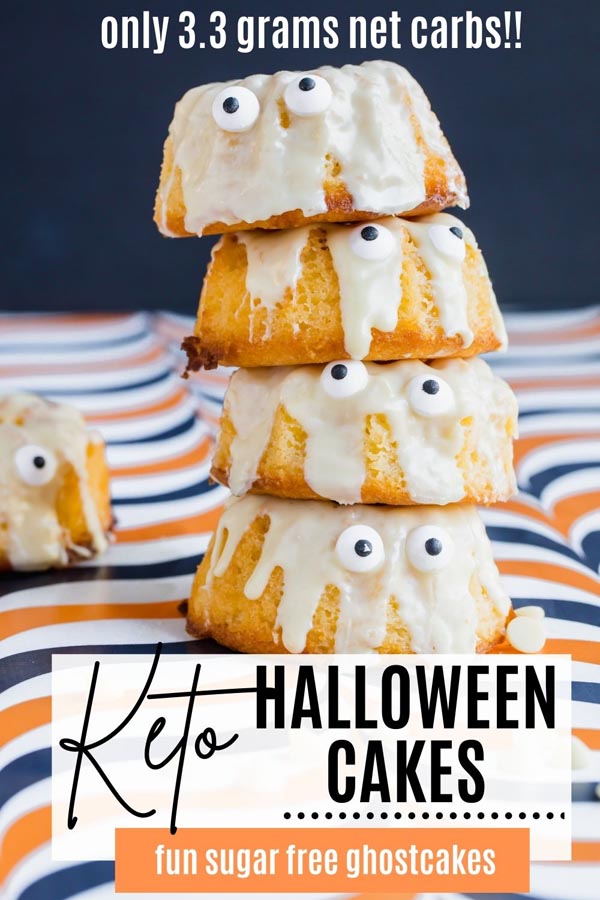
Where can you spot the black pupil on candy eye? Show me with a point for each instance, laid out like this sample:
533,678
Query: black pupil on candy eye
369,233
231,104
363,548
306,84
430,386
457,232
433,546
339,372
39,462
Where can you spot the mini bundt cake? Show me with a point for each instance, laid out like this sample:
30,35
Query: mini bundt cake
54,485
279,151
399,433
391,289
312,577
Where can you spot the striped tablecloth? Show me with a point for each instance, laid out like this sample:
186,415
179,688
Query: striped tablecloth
123,373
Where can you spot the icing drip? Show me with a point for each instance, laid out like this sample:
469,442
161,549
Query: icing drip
370,289
279,164
437,608
34,536
427,448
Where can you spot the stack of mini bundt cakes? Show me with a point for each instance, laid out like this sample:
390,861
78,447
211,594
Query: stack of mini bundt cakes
359,433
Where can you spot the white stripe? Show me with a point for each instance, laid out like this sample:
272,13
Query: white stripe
553,398
558,423
565,881
145,427
540,588
564,629
32,332
496,517
538,370
28,742
585,525
139,514
100,592
584,715
23,802
29,689
558,454
534,554
93,381
111,632
139,553
121,401
586,820
541,321
71,354
162,483
581,481
127,455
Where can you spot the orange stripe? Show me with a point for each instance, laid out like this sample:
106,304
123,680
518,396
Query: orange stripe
589,736
76,366
581,651
194,525
172,463
19,620
525,445
561,382
22,717
586,851
550,572
141,411
573,507
24,836
563,335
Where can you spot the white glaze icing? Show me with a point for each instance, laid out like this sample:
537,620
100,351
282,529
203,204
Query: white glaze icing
279,164
437,607
370,289
427,447
34,536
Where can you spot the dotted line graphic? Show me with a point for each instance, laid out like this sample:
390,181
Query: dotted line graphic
424,815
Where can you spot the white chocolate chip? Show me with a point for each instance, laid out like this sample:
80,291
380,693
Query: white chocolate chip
597,791
531,612
526,635
581,756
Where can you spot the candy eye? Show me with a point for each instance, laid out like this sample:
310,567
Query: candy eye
449,241
372,242
235,109
360,549
345,378
430,396
429,548
35,465
307,95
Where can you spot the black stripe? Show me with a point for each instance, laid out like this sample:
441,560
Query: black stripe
23,772
70,881
568,610
11,582
30,663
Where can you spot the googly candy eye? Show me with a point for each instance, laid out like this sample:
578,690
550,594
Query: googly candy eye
35,465
344,378
430,396
235,109
449,241
429,548
360,549
373,242
307,95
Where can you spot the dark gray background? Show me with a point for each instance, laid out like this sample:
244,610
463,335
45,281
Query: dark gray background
84,128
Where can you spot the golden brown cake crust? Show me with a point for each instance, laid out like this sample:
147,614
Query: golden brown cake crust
306,326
